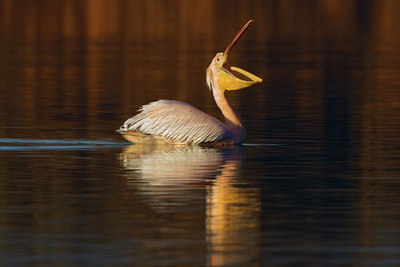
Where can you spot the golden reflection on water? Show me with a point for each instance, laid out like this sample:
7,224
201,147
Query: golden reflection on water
232,219
78,69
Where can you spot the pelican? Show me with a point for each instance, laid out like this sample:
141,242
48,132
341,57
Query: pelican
175,122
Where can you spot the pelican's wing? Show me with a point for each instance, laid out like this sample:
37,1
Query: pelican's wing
178,121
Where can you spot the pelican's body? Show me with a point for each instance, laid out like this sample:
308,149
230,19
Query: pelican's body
177,122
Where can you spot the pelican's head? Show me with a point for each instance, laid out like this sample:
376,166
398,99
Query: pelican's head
230,78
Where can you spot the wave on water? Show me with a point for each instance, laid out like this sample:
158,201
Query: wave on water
17,144
260,144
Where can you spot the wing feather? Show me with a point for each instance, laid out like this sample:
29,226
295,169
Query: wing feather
178,121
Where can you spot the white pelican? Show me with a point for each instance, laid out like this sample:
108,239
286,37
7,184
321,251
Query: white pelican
175,122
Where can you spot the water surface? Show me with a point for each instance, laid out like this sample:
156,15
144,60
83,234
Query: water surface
315,183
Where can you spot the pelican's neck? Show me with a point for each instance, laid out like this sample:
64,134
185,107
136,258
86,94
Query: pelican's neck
232,119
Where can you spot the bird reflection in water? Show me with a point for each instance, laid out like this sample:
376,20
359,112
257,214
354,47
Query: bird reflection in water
164,175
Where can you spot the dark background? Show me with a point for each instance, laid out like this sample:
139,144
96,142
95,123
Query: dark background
315,183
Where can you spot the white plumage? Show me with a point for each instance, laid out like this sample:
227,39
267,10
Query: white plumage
177,121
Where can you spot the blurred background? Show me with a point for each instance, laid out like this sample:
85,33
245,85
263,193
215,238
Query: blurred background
316,181
80,68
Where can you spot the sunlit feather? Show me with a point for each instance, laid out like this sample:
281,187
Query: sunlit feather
178,121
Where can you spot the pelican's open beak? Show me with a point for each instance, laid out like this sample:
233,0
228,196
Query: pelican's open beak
233,78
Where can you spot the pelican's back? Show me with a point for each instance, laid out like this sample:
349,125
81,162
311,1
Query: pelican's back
177,121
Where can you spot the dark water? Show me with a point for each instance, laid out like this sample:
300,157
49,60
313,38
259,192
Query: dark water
317,181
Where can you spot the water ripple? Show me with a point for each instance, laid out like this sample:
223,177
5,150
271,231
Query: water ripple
18,144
